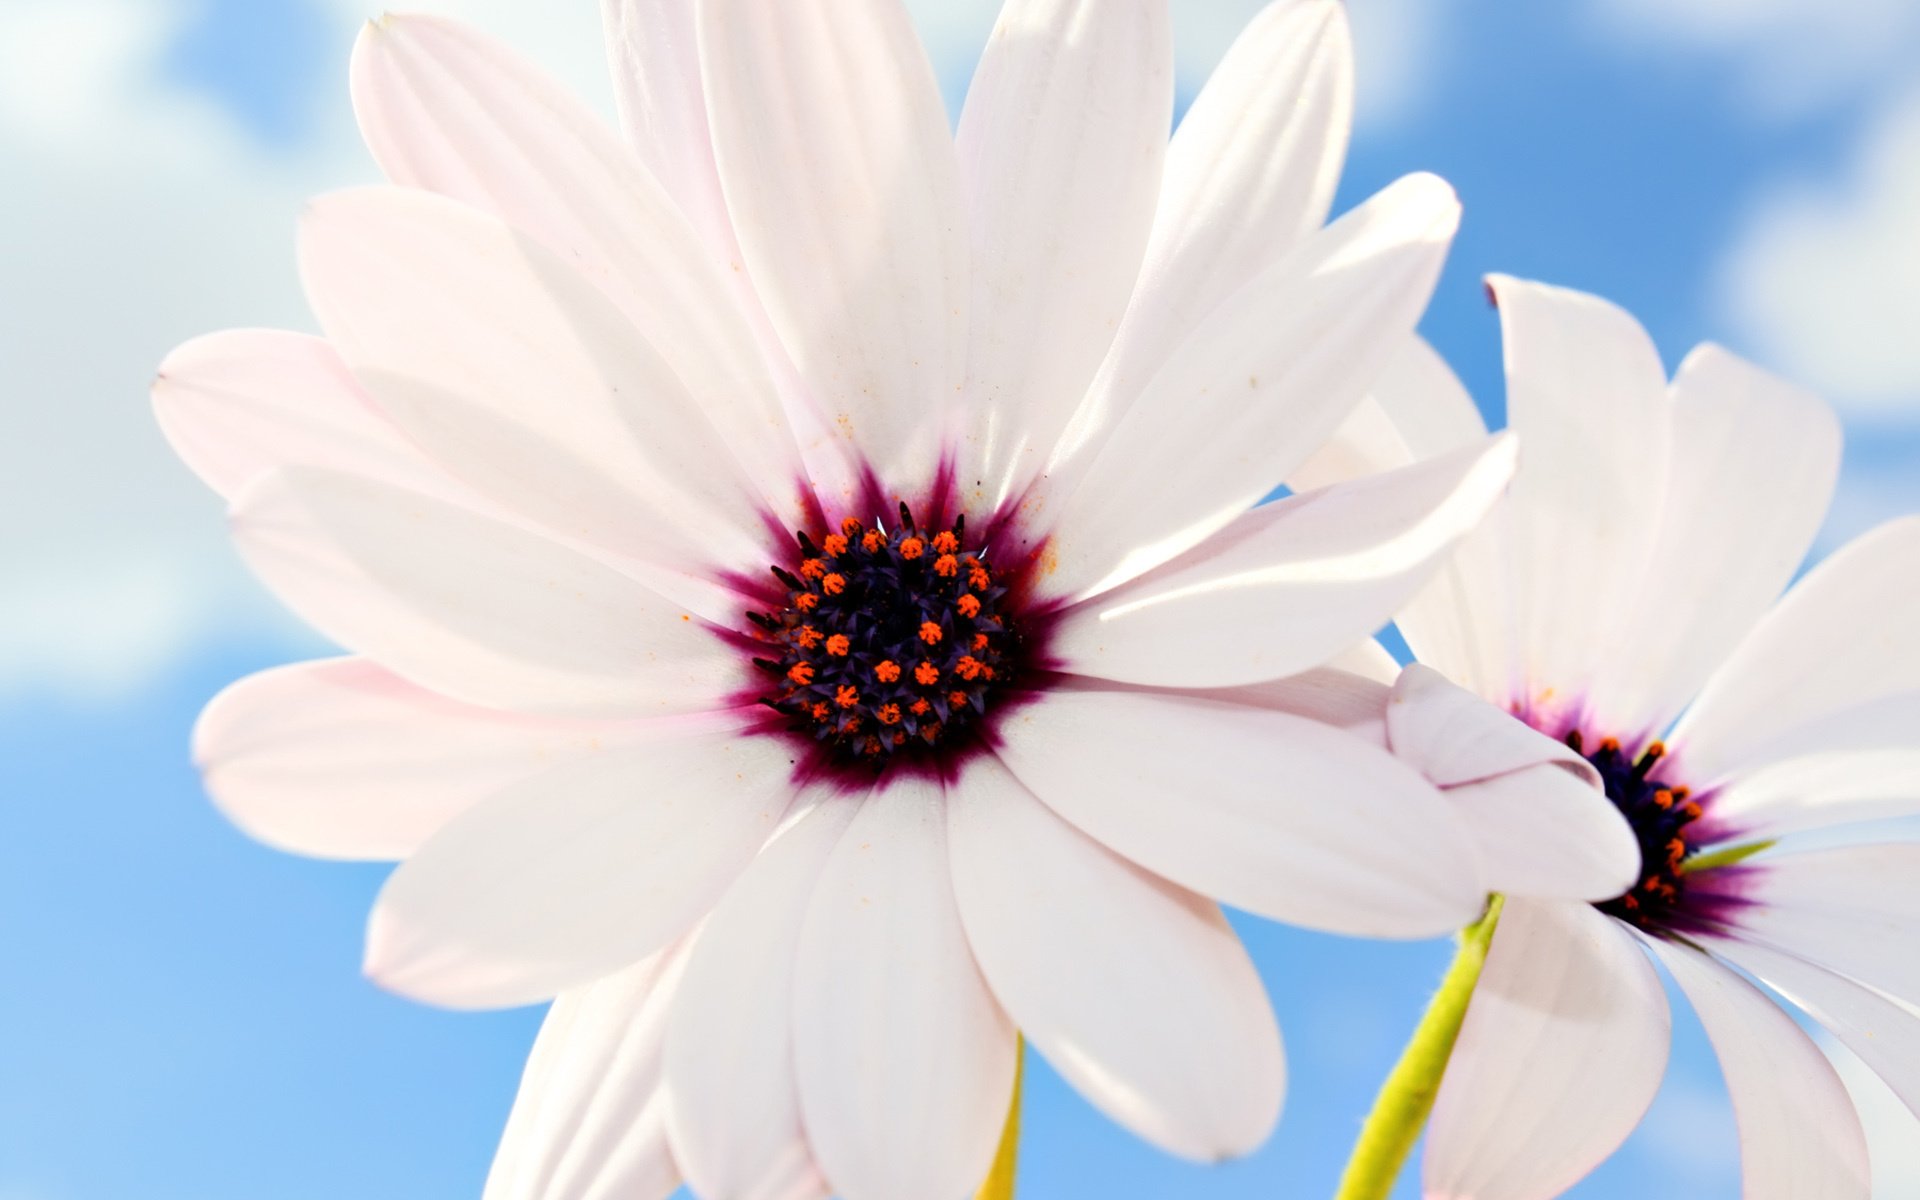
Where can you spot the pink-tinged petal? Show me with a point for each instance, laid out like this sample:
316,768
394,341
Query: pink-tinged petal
1249,175
1250,394
474,609
1060,145
1289,585
516,374
238,404
735,1107
590,1118
1562,1050
1135,989
844,191
1547,831
449,110
1455,737
1858,764
1841,639
341,759
1754,462
1800,1137
1260,809
905,1059
1885,1035
1417,409
1588,397
1854,910
567,876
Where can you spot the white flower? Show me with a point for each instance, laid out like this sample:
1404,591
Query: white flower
1018,393
1633,577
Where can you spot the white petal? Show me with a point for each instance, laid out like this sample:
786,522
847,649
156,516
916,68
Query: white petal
589,1122
449,110
735,1108
1858,764
1250,174
1885,1035
1546,831
474,609
1800,1138
1259,809
1564,1044
1256,388
1754,462
1455,737
1136,990
1060,147
568,875
1842,637
1354,702
340,759
517,375
1854,910
905,1059
238,404
844,191
1289,585
1588,397
1417,409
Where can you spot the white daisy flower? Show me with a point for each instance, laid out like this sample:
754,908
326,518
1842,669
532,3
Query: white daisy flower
798,470
1633,580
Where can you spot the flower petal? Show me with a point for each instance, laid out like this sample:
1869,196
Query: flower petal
1858,764
238,404
571,874
341,759
1455,737
1286,586
1259,809
1060,147
1562,1050
653,48
474,609
1136,990
905,1059
844,190
1250,394
447,109
465,332
1417,409
1854,910
1546,831
1588,397
1753,466
1800,1138
1249,176
735,1105
1885,1035
1839,640
590,1118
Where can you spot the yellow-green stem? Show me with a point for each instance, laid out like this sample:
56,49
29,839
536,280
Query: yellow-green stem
1405,1099
999,1184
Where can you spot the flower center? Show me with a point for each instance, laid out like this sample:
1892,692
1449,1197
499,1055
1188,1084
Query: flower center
1659,814
892,643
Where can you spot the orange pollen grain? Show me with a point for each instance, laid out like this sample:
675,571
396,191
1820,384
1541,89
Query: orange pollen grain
969,667
899,737
801,673
979,641
913,547
813,568
806,601
889,714
929,632
926,674
845,696
978,579
1663,798
946,566
919,707
835,544
957,699
969,605
834,584
850,526
945,542
808,637
820,711
872,541
887,671
839,644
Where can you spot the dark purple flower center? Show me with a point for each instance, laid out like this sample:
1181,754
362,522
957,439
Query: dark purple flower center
892,643
1659,814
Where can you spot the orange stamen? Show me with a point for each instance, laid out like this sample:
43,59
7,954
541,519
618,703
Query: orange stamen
807,636
889,714
919,707
926,674
872,540
801,673
806,601
969,667
978,579
913,547
820,712
850,526
838,645
834,584
845,696
929,632
957,699
887,672
969,605
945,543
813,568
834,544
979,641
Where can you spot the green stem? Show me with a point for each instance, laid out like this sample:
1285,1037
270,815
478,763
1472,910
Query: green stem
999,1184
1405,1099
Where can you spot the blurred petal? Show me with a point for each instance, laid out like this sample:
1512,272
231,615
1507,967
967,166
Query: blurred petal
1564,1044
562,878
1289,585
1136,990
1262,810
1858,764
1060,147
1800,1138
905,1059
1455,737
1545,831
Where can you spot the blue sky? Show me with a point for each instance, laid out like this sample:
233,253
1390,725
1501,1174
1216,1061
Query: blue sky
185,1015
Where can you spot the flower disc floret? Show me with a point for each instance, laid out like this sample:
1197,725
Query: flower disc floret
1660,815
